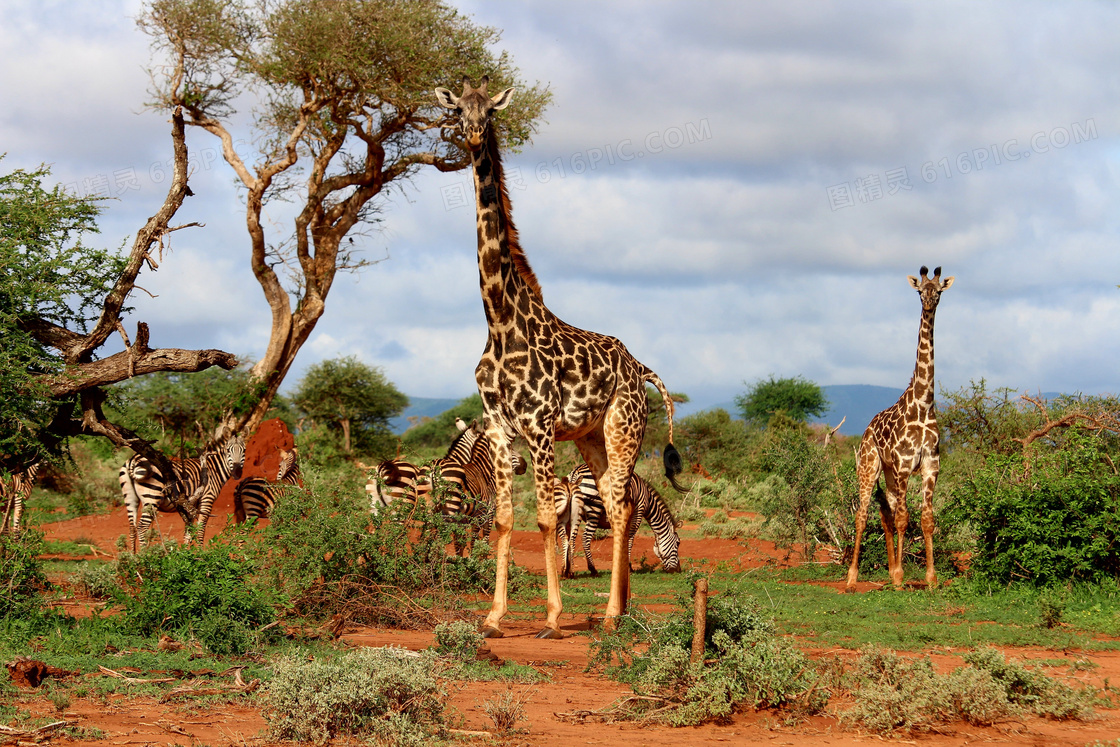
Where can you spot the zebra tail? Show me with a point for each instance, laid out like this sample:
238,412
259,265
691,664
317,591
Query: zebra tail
674,465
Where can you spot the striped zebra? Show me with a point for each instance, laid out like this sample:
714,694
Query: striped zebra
256,496
578,501
469,488
14,492
398,479
201,479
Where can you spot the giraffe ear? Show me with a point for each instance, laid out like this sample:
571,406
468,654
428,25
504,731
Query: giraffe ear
947,282
446,99
914,282
501,100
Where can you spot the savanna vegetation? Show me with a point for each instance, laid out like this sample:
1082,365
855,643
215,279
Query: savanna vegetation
1027,507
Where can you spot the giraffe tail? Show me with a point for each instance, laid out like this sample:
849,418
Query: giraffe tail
674,465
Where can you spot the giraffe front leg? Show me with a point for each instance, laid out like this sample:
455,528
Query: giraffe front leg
901,522
868,473
929,481
503,527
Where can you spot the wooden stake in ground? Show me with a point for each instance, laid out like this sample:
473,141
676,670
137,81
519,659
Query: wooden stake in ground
699,619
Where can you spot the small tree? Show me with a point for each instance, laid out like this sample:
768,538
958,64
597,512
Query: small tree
797,397
353,398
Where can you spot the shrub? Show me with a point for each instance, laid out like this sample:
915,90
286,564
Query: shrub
98,580
1049,521
1033,690
896,694
747,665
458,640
507,709
331,556
797,509
22,579
205,590
383,694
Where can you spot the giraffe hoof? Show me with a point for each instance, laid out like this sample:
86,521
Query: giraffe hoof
491,632
550,634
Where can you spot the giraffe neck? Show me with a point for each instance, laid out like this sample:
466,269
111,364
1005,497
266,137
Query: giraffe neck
504,274
921,384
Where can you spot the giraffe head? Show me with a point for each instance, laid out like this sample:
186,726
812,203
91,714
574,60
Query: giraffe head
475,107
930,288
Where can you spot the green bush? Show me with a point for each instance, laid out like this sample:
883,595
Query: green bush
1053,520
746,664
382,694
458,640
22,579
327,553
207,591
722,445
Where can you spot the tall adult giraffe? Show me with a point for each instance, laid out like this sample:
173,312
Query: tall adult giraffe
547,380
898,442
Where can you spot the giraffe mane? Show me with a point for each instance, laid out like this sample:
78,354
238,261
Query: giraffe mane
505,207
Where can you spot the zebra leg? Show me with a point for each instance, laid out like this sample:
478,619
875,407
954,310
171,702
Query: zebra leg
588,533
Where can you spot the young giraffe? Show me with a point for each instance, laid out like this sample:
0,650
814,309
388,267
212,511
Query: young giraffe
898,442
546,380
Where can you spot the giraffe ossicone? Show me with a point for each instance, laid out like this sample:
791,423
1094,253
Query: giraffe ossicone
902,440
546,380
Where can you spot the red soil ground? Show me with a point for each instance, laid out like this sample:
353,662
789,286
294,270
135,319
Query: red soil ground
136,721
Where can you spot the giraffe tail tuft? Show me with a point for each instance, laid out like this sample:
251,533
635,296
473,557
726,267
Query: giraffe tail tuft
674,465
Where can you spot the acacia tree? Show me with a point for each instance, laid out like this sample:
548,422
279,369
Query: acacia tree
60,301
344,109
797,397
351,396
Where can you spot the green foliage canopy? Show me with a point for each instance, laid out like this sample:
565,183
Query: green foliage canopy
47,277
353,398
796,397
184,409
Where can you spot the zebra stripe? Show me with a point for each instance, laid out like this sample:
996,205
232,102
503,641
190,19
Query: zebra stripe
578,501
470,488
201,479
397,479
256,496
394,480
14,493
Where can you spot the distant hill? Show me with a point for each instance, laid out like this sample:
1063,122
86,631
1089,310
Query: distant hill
859,403
421,407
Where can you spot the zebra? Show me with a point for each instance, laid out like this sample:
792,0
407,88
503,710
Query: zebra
470,487
578,500
466,472
201,479
256,496
14,493
396,479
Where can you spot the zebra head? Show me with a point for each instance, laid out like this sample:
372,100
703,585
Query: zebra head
235,456
665,549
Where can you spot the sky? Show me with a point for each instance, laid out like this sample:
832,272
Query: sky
735,190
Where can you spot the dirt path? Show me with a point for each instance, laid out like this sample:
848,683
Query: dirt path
136,721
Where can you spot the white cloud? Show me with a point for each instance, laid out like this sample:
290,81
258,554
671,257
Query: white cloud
718,261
